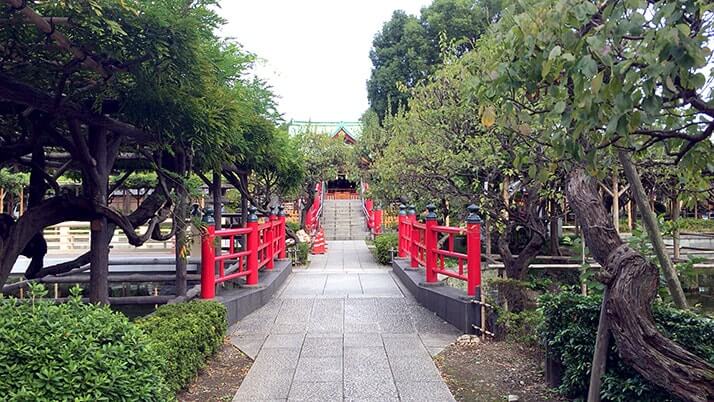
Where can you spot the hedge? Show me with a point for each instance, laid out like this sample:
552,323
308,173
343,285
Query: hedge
185,335
568,330
384,244
74,352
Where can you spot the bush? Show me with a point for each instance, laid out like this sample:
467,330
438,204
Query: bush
695,225
520,327
383,245
568,330
303,251
185,334
74,351
293,225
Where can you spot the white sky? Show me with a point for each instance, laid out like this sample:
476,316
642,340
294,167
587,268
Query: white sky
315,52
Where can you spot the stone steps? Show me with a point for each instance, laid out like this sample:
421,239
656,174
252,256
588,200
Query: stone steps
344,220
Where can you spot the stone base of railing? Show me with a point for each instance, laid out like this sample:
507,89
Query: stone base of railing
243,300
451,304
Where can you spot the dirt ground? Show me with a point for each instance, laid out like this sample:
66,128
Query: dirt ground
490,371
221,377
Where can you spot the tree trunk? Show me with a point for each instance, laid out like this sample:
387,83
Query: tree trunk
180,223
630,220
632,282
602,344
37,247
554,241
99,260
648,217
517,267
616,202
487,229
676,211
217,190
308,204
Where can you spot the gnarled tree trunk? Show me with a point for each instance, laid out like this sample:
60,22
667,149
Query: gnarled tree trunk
516,267
632,282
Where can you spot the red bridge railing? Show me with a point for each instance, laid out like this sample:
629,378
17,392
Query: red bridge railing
261,245
373,215
431,246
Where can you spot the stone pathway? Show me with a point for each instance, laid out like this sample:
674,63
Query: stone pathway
343,330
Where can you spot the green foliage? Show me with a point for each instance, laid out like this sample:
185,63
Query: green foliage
13,181
568,330
408,48
385,246
303,252
293,225
74,352
185,335
696,225
323,157
522,326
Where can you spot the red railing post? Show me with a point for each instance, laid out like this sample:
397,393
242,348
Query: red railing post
369,206
269,238
473,250
403,228
252,246
414,236
208,263
282,254
377,230
431,244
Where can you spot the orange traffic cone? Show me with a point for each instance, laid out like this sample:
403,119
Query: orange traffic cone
319,246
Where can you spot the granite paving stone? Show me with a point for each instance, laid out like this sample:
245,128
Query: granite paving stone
316,391
312,369
342,329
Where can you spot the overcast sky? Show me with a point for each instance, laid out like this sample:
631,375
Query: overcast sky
315,52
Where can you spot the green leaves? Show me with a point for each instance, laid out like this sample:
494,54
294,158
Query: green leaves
596,83
74,351
185,335
568,330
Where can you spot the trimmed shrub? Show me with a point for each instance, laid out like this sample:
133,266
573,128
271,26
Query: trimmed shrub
383,245
303,250
74,351
569,328
185,334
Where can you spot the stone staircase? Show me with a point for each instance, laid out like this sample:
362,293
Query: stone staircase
344,220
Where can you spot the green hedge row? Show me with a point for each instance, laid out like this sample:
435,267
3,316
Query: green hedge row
185,335
75,352
82,352
384,244
568,330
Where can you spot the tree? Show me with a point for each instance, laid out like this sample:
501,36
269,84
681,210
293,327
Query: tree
440,150
610,80
109,87
408,49
324,157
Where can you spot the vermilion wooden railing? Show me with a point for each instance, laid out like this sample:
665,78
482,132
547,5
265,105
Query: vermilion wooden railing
263,244
373,215
420,242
